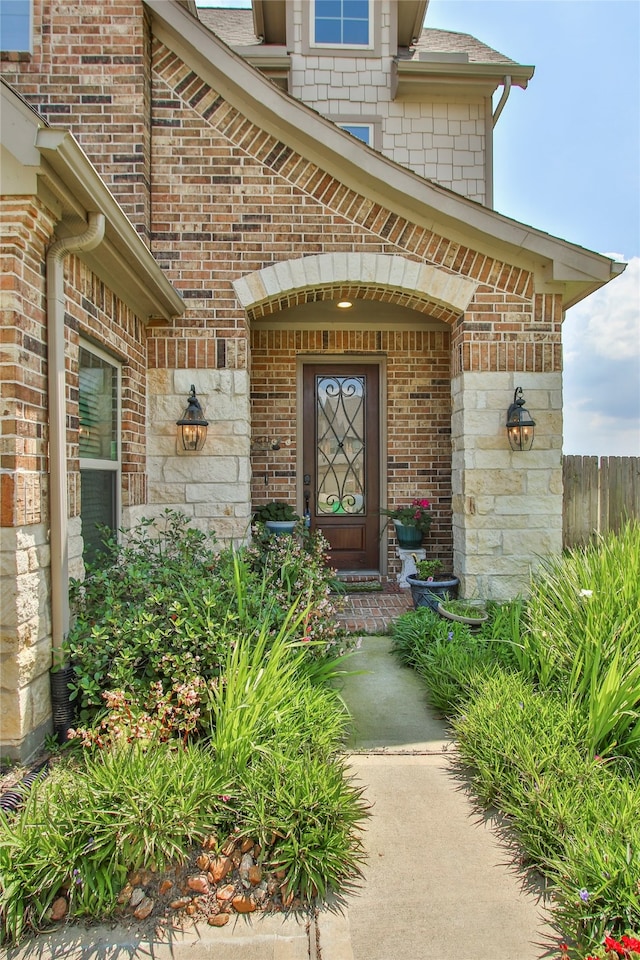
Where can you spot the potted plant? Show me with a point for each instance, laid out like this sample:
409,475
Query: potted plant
471,612
430,587
278,517
411,522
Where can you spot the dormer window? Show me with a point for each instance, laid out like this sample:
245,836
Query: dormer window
15,26
363,131
341,23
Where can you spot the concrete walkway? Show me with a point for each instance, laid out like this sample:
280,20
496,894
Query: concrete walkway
438,883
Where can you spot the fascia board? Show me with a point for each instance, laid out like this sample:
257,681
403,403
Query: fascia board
411,14
121,259
358,166
425,70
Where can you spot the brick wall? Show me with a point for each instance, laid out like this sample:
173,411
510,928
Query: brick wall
416,422
95,312
89,71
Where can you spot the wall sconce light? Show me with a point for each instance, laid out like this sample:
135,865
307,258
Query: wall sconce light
520,424
193,426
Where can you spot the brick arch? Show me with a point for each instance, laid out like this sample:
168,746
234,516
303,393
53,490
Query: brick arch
373,276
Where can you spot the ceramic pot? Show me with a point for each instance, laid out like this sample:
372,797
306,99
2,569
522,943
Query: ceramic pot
280,528
409,538
431,593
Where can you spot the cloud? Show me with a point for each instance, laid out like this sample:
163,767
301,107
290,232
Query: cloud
601,382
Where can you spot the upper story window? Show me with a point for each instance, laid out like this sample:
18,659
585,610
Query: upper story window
15,26
363,131
99,441
338,23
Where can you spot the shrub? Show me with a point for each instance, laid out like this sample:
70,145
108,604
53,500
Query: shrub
583,618
577,819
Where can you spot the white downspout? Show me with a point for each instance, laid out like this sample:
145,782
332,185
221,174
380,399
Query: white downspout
58,518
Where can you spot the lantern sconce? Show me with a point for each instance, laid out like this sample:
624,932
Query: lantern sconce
520,424
193,426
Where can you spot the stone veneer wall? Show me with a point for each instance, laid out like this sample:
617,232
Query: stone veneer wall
507,505
417,416
441,140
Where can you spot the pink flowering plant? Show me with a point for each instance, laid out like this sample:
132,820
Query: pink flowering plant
415,514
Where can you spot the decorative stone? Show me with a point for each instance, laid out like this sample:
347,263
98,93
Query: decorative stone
220,867
144,908
245,865
218,919
243,904
199,884
226,893
59,908
180,903
137,897
165,886
125,894
254,875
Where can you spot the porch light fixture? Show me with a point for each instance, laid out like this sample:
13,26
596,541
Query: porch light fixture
344,304
520,424
193,426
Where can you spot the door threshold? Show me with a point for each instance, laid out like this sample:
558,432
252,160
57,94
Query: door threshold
359,575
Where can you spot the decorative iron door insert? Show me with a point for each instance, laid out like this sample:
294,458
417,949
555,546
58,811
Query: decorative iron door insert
341,460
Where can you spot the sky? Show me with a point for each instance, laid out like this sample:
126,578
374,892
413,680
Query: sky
567,161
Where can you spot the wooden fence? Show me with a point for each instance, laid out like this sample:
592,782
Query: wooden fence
598,495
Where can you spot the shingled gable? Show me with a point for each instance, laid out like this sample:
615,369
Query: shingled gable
374,176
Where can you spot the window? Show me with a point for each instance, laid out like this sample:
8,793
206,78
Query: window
363,131
99,434
341,23
15,26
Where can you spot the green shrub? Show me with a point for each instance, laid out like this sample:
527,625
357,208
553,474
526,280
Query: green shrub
91,821
584,619
157,613
577,819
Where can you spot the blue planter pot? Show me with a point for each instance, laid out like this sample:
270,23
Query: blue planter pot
431,593
280,528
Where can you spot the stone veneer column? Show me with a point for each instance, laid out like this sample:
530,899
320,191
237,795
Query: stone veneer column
507,507
213,485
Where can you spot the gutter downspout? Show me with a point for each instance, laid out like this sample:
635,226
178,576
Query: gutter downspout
58,519
503,100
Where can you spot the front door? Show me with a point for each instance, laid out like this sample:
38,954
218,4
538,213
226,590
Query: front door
341,460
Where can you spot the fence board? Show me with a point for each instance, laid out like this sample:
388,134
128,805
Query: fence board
598,495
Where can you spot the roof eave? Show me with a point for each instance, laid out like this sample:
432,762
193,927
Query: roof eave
377,177
122,260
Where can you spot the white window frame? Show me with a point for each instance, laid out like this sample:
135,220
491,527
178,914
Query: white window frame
344,125
97,463
6,4
340,46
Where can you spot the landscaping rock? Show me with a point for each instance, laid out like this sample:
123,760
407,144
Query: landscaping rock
218,919
180,903
220,867
227,892
59,908
125,894
136,897
144,908
199,884
243,904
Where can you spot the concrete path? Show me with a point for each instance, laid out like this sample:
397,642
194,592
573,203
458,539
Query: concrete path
438,883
